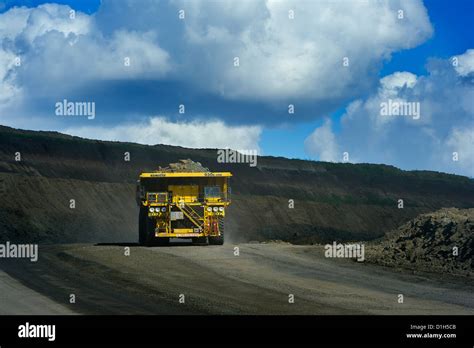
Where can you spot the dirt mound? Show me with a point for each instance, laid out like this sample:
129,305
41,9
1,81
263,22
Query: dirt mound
442,241
184,165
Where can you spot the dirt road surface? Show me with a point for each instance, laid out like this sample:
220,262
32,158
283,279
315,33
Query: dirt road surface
253,279
17,299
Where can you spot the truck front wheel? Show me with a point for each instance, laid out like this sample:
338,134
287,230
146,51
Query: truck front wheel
149,235
218,240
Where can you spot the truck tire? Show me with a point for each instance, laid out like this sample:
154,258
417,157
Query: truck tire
142,232
201,240
219,240
162,241
150,232
151,239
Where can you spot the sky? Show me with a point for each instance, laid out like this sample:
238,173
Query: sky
299,79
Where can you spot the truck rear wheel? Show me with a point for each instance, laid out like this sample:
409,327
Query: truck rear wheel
218,240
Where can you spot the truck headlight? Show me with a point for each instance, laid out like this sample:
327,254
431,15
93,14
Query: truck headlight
163,209
152,210
221,208
209,209
215,209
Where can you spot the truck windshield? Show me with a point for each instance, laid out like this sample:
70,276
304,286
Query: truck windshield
212,191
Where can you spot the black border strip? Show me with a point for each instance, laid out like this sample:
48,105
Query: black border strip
239,330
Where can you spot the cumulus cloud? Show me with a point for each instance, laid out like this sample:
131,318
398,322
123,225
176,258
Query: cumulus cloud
26,24
160,130
280,57
322,143
443,133
67,45
464,64
461,143
300,57
8,90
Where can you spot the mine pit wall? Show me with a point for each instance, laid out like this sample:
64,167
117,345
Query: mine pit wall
331,201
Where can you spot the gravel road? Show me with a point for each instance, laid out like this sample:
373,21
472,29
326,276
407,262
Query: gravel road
253,279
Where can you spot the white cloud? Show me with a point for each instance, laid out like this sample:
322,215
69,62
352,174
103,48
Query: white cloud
298,58
281,59
465,63
193,134
33,23
322,144
8,90
392,83
29,23
13,22
301,57
461,142
73,51
446,123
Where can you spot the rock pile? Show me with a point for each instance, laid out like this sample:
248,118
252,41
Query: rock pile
184,165
442,241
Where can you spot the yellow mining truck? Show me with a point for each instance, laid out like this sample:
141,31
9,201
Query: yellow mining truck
184,200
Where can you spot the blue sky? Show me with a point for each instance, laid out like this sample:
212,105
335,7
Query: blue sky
283,62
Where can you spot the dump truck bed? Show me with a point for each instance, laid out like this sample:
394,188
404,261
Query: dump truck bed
184,174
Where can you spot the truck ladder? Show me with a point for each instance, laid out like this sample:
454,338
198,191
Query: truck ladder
191,214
